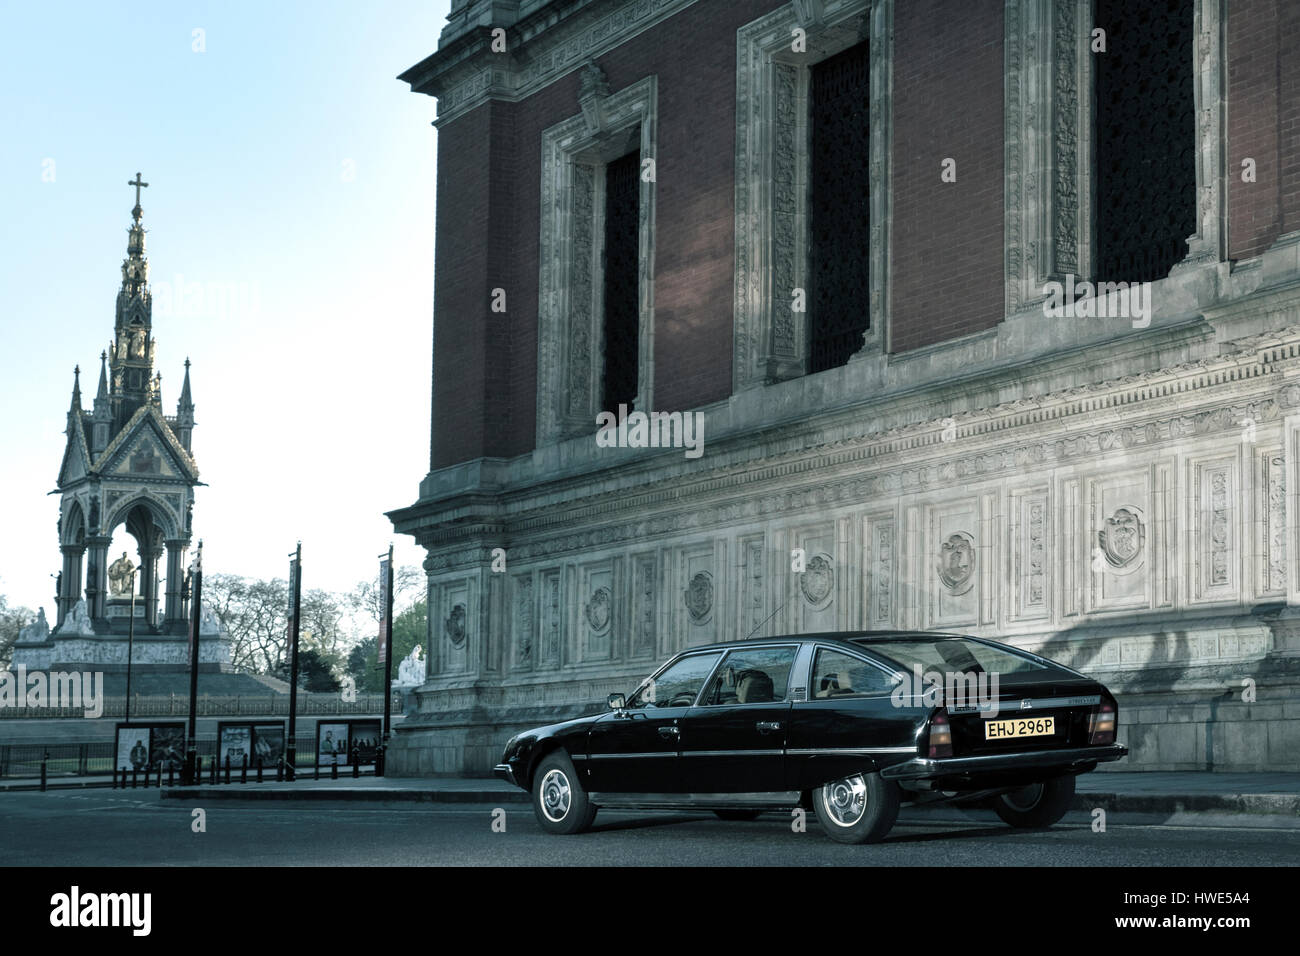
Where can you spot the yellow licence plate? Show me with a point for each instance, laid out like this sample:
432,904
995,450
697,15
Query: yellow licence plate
1020,727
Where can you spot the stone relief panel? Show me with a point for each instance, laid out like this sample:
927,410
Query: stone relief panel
815,588
882,570
1031,597
457,617
751,587
1119,559
645,606
954,575
551,637
596,613
1216,549
523,641
696,596
1270,497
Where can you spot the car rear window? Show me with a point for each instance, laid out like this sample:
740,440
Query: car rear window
952,654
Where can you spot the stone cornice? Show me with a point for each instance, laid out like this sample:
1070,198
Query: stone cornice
543,47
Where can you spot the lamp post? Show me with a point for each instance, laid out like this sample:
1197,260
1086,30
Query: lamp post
130,646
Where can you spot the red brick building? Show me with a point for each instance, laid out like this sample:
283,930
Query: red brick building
861,245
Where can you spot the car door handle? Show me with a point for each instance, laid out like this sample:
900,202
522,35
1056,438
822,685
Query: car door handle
766,726
669,731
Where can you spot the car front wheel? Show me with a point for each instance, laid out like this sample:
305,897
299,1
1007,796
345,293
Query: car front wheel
1037,805
857,809
559,801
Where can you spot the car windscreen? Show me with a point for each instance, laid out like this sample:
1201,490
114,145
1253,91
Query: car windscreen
953,654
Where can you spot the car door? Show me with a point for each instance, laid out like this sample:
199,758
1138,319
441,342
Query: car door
733,740
635,750
846,722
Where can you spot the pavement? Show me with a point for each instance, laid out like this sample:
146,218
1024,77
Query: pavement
1167,794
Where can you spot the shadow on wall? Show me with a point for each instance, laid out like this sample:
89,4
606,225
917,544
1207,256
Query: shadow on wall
1177,690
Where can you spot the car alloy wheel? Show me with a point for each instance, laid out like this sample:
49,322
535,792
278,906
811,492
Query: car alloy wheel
857,809
845,801
556,795
559,800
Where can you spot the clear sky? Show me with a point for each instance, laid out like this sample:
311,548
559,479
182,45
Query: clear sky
289,170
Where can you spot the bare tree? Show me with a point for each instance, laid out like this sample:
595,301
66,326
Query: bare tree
255,614
408,587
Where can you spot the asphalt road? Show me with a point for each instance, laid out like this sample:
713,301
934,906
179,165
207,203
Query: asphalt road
86,828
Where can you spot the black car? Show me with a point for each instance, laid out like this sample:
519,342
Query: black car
848,725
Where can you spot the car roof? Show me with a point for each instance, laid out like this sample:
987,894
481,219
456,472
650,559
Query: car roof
841,637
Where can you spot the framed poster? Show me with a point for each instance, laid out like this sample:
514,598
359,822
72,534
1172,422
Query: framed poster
331,744
167,746
365,737
268,744
132,751
234,743
149,746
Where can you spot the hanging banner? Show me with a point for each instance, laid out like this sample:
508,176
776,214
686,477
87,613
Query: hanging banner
385,583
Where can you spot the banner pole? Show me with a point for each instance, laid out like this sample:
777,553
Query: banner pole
387,639
295,608
191,735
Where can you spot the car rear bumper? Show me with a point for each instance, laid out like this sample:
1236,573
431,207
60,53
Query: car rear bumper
972,769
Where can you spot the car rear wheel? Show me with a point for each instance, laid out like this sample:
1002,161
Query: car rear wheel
857,809
738,814
1037,805
559,801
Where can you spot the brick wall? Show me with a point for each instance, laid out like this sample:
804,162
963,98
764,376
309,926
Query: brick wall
1254,210
487,235
947,237
1263,123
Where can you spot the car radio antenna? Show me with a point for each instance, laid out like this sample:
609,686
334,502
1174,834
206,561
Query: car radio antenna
764,621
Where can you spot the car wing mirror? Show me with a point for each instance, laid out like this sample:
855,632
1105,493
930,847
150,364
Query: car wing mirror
617,702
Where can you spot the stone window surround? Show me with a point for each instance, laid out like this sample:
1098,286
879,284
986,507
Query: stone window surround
573,154
1050,231
772,146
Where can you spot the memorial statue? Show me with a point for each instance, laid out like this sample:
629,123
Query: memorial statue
121,577
410,672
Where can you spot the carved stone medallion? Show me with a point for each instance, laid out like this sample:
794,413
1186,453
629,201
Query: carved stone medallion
456,625
1123,538
598,609
957,562
818,580
699,597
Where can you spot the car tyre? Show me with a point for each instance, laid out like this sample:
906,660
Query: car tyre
857,809
1038,805
738,814
559,800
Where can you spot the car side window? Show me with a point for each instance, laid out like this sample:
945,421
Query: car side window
836,674
756,676
677,686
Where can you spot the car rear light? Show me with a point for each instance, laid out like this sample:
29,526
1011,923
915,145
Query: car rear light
940,744
1101,726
